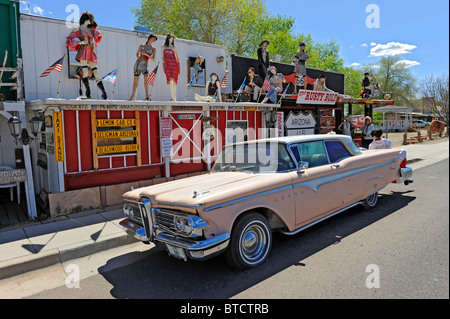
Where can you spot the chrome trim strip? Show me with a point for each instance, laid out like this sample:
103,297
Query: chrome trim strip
249,197
295,232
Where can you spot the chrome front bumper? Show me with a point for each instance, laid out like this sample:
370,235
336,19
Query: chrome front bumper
199,250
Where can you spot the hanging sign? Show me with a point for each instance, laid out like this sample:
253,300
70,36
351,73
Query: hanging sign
59,137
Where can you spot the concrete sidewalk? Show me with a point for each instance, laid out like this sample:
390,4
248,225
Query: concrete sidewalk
38,246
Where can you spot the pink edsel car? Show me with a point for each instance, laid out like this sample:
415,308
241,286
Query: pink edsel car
256,188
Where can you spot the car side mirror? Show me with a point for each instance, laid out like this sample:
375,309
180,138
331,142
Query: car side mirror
302,167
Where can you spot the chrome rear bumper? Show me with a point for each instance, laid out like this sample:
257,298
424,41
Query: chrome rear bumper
200,250
406,173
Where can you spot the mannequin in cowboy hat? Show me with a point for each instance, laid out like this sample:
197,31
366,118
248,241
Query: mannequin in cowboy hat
263,59
84,40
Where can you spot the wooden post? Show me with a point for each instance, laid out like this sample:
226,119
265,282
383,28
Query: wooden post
138,139
94,139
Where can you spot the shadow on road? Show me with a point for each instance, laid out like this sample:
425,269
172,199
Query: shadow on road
158,276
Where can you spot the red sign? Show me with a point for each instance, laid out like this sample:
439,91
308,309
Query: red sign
166,127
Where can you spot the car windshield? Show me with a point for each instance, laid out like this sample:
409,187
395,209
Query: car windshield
255,158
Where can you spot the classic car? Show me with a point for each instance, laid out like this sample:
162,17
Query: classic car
256,188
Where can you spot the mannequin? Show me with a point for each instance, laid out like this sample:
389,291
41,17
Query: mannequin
276,85
300,66
171,63
263,59
88,38
213,93
145,53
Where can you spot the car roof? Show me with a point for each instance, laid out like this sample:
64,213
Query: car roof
303,139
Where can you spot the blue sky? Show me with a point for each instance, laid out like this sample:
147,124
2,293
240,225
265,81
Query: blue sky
417,31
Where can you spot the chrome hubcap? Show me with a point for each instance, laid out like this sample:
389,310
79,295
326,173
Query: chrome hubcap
372,200
254,242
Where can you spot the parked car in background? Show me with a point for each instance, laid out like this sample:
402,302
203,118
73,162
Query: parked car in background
256,188
420,123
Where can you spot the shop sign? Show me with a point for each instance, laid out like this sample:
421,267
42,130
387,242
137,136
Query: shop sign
316,98
13,176
116,123
116,134
116,149
166,147
59,137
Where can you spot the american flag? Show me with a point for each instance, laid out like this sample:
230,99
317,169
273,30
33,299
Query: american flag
266,86
152,77
224,83
57,66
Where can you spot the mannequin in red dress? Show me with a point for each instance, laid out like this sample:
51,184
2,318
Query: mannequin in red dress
171,65
84,40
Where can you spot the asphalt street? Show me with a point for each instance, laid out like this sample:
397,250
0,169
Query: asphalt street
400,249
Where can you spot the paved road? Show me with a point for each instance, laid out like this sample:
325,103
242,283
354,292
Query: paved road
405,239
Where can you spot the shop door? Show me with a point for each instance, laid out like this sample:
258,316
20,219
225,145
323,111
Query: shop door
187,138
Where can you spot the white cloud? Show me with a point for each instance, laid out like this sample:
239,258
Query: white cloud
38,10
373,44
364,45
407,63
392,48
356,64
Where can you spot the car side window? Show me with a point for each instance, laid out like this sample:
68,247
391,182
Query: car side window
314,153
296,153
336,151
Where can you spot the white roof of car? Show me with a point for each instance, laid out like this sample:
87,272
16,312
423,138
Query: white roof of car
306,138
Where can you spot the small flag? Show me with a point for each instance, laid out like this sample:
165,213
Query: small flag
266,86
224,84
285,91
111,77
152,77
57,66
241,89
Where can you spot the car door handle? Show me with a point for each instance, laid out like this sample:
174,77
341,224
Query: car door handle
336,166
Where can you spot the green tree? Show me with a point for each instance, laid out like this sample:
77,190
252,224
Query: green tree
396,77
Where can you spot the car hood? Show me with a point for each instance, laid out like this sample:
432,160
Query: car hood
209,189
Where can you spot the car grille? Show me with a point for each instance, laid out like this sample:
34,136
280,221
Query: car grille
164,220
137,217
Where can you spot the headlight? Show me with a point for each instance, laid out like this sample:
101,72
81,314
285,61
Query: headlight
189,226
128,210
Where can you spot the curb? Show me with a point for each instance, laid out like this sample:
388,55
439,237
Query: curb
22,265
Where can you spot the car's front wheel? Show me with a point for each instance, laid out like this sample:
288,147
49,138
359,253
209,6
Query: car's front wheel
370,202
251,242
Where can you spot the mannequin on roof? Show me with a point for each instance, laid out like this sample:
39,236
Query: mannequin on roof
84,40
213,92
171,65
145,53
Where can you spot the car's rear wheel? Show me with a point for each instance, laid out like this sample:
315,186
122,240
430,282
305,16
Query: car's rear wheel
251,242
370,202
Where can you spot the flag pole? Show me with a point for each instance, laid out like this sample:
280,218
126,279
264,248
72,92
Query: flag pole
151,91
60,76
114,88
239,94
